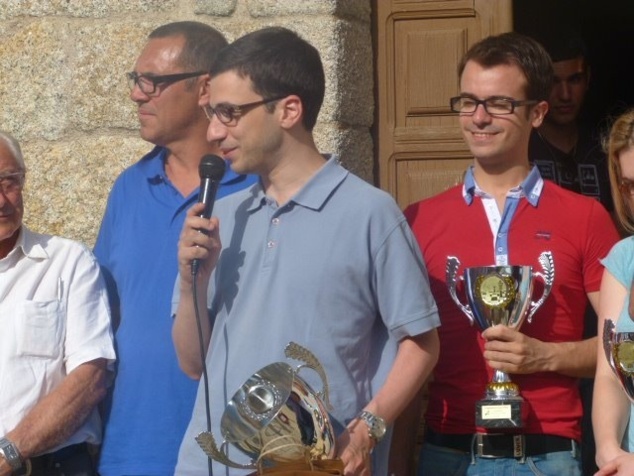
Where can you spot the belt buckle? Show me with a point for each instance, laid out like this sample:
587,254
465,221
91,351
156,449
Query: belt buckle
519,446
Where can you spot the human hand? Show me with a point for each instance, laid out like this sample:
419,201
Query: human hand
623,464
353,448
5,469
511,351
199,239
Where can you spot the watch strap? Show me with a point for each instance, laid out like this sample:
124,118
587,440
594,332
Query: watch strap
11,454
375,424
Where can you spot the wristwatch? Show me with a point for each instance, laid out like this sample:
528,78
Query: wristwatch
376,425
11,454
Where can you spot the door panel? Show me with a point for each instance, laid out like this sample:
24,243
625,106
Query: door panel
419,144
419,44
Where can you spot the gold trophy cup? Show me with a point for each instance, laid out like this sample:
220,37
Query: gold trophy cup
619,350
500,295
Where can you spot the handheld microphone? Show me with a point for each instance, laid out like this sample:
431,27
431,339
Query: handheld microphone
211,170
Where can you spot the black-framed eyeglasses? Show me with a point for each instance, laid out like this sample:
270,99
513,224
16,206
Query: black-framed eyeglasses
495,106
148,84
627,188
229,114
11,183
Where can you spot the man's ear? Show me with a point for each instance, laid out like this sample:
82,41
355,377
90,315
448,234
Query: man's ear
291,111
203,89
538,112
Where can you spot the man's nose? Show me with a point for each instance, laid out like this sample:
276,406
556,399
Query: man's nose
216,130
137,95
564,91
480,115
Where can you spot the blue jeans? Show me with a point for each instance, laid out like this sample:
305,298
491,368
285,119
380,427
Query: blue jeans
436,460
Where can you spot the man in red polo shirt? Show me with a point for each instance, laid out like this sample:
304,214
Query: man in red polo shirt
506,214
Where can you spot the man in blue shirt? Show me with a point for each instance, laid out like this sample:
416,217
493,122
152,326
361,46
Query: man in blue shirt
147,412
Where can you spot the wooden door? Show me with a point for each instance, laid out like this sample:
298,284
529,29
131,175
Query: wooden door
419,44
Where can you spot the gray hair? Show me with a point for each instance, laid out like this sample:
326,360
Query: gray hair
14,146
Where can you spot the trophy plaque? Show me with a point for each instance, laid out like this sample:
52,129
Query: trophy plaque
500,295
619,350
276,418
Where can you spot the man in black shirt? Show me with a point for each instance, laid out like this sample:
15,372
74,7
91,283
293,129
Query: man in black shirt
566,150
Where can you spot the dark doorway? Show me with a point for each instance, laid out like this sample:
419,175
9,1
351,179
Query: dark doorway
606,28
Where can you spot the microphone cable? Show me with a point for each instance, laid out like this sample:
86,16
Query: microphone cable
211,169
203,359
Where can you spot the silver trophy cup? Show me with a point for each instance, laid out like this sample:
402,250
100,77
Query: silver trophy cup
276,417
500,295
619,350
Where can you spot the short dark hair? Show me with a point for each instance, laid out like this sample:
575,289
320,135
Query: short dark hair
202,43
279,63
563,44
517,50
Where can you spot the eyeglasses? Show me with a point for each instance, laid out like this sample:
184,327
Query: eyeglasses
11,182
148,84
229,114
495,106
627,188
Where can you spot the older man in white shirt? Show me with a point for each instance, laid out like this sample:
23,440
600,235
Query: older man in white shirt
55,340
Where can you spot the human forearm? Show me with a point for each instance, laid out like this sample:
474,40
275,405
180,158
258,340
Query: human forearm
610,411
185,331
414,362
610,408
513,352
58,415
610,414
200,241
415,359
574,359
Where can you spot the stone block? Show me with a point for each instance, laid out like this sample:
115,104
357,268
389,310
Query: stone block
104,52
223,8
359,9
81,8
351,74
354,146
37,72
68,182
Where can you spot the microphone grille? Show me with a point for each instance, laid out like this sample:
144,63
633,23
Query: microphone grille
211,167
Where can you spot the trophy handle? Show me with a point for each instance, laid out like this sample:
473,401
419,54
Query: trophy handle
608,335
548,277
208,444
297,352
453,264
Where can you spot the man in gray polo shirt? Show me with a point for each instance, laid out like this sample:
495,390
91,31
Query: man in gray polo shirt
310,254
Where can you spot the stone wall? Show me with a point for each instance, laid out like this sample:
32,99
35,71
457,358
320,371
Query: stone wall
63,92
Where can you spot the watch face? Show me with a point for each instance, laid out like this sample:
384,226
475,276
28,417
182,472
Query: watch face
379,427
376,425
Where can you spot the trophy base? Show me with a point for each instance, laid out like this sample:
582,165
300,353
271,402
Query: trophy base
496,413
330,467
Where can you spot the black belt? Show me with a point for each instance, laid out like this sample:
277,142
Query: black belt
54,463
500,445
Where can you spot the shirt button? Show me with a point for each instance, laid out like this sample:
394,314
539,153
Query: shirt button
500,249
275,221
270,244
